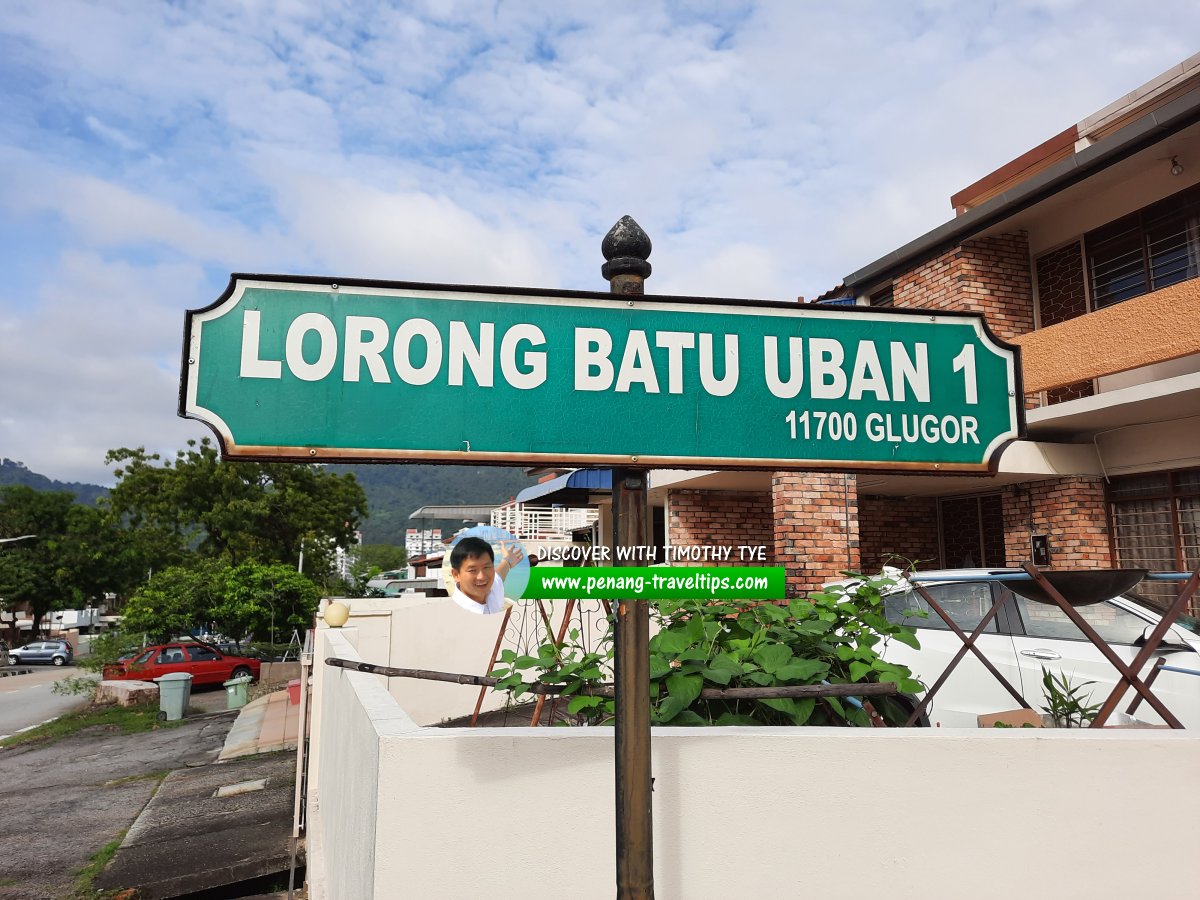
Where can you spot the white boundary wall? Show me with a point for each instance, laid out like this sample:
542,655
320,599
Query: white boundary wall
400,811
413,631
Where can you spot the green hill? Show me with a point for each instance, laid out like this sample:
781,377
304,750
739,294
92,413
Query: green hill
393,491
13,472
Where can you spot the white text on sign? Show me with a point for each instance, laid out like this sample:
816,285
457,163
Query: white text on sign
417,351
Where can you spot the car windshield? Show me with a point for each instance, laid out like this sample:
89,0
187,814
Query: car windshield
1187,623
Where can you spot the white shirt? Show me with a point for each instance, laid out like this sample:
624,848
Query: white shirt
494,603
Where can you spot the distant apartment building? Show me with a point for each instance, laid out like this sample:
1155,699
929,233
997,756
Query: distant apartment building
420,542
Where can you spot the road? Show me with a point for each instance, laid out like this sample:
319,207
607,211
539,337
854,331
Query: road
27,699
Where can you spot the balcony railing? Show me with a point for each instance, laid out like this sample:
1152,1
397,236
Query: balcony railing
542,522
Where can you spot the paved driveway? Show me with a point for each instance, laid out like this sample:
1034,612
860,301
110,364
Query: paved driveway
65,801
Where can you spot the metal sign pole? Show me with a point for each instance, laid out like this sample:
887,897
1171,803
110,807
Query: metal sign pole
626,248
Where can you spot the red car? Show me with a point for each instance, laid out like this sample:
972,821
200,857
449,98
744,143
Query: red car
205,664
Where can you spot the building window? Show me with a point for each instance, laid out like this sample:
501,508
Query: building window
1155,247
966,604
972,532
1156,526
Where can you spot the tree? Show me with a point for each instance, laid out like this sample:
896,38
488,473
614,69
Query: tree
370,560
73,560
105,557
237,511
239,600
173,601
258,599
382,557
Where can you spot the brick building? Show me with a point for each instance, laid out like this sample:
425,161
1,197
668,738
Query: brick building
1085,252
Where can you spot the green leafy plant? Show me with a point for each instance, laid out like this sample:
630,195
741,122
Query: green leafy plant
1063,703
76,685
104,649
834,636
573,667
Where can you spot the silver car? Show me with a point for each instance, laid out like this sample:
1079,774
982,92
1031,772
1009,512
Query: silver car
1027,636
57,653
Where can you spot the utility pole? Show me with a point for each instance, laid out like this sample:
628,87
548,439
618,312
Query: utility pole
626,248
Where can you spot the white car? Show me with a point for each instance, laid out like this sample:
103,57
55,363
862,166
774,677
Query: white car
1025,636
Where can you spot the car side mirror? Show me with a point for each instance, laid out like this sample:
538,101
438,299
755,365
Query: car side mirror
1170,639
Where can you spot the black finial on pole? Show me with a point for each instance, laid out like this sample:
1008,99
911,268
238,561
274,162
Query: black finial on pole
626,247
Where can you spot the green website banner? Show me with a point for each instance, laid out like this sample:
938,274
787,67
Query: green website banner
655,583
323,371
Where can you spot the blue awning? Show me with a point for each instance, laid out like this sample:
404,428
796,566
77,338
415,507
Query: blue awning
573,487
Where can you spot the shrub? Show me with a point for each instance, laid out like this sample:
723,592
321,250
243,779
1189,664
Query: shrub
833,636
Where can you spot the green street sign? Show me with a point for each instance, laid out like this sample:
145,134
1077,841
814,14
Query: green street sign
290,368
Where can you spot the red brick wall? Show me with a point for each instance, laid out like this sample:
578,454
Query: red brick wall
815,516
1061,292
906,528
1070,510
721,519
989,276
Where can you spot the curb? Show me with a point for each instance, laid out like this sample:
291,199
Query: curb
212,715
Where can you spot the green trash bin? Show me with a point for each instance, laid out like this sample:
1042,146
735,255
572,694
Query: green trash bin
237,691
174,691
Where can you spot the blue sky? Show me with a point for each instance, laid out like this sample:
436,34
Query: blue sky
769,148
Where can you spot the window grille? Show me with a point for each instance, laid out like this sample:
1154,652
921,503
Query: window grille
1151,249
972,531
1156,525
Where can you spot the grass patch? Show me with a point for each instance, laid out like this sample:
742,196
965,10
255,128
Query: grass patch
96,863
127,719
130,779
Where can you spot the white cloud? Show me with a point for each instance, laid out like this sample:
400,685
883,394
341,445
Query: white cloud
103,214
769,148
110,134
95,365
405,234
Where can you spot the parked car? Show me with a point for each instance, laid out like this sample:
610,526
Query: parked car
245,651
58,653
206,664
1025,636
